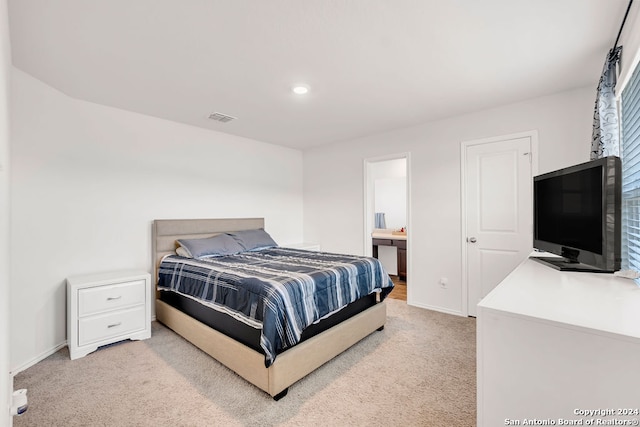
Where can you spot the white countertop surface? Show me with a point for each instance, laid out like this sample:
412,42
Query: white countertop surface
598,301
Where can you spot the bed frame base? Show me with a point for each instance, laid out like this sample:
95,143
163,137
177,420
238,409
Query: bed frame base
289,366
282,394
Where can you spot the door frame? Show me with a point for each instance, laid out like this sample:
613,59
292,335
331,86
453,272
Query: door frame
533,136
369,208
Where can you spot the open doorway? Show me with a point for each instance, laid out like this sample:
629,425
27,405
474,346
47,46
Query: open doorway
387,218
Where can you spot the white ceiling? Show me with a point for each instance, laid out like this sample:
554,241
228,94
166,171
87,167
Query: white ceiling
372,65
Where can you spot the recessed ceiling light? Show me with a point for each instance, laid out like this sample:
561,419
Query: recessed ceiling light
300,89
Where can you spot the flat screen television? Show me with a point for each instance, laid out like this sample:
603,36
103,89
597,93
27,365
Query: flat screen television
577,215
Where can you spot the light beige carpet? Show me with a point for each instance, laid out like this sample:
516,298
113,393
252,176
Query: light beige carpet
420,370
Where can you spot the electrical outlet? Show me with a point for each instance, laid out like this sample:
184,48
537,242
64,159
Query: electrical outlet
444,282
19,403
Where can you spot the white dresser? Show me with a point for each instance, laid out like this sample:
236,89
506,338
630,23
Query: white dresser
106,308
560,348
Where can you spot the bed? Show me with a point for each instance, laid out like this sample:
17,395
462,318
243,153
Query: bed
234,343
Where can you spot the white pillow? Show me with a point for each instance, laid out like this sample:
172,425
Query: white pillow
183,252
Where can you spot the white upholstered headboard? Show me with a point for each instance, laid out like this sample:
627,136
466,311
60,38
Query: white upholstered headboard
167,231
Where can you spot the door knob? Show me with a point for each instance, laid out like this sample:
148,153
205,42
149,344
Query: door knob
471,239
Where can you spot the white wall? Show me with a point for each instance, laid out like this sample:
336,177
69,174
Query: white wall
87,181
6,384
333,183
630,42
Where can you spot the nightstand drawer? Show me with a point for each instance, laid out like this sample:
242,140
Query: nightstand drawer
104,326
104,298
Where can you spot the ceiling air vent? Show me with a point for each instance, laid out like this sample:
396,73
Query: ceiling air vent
221,117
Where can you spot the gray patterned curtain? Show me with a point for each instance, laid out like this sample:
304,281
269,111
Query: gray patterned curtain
605,139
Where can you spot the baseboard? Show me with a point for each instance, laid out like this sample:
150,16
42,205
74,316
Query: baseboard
39,358
440,309
43,356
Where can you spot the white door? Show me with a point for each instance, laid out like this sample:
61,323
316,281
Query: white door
498,201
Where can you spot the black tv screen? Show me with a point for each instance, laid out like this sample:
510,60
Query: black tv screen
577,215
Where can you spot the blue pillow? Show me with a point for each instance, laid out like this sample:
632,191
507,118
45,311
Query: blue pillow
219,245
252,240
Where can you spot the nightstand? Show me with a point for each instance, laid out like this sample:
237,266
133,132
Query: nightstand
307,246
106,308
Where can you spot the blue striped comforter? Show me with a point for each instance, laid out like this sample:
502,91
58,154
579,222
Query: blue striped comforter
278,290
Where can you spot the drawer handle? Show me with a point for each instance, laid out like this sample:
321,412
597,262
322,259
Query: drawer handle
114,298
114,325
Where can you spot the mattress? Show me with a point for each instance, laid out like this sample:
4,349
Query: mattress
248,335
278,292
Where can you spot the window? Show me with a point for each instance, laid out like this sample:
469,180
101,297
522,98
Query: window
630,132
